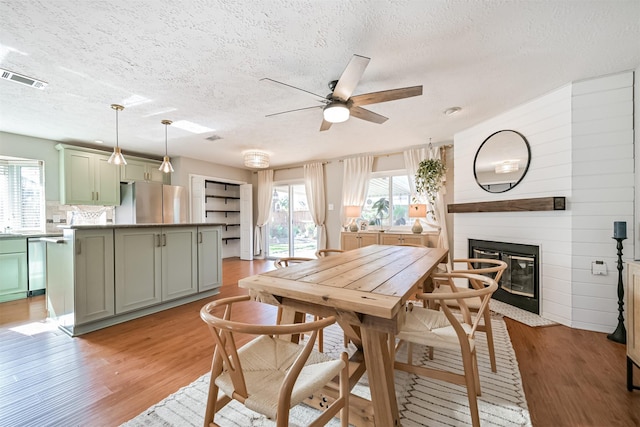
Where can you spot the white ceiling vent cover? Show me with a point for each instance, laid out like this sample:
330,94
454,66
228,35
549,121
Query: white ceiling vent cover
19,78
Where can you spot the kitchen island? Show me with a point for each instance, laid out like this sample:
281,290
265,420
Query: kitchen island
101,275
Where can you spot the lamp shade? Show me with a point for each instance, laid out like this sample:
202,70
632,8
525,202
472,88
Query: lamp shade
417,211
336,112
256,159
352,211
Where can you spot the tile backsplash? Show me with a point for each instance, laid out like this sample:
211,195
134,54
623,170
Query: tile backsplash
58,214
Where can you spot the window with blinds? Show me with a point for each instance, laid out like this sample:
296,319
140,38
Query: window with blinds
22,205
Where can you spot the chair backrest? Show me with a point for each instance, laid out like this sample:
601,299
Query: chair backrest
287,261
490,267
226,352
321,253
487,286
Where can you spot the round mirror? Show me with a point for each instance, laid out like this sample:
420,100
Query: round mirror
502,161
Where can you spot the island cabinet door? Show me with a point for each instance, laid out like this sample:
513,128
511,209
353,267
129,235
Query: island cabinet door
633,312
179,262
209,258
94,293
138,268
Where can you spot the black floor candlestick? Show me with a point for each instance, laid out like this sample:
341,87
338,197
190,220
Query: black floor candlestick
620,334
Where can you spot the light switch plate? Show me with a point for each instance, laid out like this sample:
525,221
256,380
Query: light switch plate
599,268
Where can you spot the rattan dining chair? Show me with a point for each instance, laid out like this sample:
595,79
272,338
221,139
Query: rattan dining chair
444,329
490,267
269,375
321,253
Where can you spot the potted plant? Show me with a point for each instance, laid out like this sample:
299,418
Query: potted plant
428,180
381,207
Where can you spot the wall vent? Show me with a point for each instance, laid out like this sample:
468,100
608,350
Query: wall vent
19,78
213,138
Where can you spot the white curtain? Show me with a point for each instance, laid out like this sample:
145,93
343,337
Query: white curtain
265,196
314,187
412,159
355,182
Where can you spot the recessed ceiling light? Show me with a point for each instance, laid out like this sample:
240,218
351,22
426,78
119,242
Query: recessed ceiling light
191,127
452,110
98,141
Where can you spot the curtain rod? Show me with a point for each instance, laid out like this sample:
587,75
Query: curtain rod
394,153
294,166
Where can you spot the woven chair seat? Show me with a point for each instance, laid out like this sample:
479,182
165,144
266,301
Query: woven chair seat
431,328
265,361
472,303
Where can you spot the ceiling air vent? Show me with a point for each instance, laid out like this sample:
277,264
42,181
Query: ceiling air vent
19,78
213,138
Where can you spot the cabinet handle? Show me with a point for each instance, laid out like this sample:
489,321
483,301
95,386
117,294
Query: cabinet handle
164,239
157,240
199,236
97,196
78,250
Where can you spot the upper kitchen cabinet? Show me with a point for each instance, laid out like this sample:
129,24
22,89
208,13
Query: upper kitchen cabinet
143,170
86,177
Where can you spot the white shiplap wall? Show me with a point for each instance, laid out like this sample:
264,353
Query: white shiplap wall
568,158
602,192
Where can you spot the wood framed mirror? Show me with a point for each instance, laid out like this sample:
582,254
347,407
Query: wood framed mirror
502,161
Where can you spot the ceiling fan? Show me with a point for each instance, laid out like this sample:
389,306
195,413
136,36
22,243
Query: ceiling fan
339,105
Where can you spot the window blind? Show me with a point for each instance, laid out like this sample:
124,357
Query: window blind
22,195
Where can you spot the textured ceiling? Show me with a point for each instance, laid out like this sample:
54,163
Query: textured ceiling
202,61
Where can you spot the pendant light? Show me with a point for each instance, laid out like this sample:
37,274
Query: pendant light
116,157
166,163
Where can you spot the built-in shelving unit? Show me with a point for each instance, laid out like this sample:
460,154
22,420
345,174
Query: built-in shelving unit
222,205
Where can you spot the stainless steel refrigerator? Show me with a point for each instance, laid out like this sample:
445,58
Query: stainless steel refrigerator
151,203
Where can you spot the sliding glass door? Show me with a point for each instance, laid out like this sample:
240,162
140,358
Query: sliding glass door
291,229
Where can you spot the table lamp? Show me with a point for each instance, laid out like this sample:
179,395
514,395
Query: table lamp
352,212
417,211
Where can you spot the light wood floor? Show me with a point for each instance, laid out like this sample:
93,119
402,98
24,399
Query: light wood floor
571,377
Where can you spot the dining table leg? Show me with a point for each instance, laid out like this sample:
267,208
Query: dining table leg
380,372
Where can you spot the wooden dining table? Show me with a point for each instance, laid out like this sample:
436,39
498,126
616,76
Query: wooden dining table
366,289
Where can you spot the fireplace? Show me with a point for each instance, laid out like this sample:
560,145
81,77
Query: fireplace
519,285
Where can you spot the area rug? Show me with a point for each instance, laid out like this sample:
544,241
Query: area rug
520,315
422,401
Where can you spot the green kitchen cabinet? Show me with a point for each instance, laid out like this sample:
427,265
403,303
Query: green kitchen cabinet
87,178
143,170
154,265
80,279
13,269
209,257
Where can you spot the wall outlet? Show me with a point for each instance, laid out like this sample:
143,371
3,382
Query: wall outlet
599,268
330,207
56,218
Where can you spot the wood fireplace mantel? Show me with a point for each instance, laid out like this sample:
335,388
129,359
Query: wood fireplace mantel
515,205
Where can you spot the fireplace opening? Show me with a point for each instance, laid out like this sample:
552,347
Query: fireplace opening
519,285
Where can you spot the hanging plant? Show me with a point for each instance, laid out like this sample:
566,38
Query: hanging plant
428,180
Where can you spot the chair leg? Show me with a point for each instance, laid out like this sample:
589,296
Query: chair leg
489,331
344,391
470,379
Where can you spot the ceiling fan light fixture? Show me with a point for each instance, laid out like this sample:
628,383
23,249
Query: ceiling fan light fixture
336,112
256,159
166,162
506,166
116,157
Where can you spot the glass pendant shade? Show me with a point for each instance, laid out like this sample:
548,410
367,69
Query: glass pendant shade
336,112
116,157
166,162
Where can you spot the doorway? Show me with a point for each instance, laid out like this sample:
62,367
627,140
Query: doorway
292,232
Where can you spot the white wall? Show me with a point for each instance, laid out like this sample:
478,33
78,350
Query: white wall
580,149
35,148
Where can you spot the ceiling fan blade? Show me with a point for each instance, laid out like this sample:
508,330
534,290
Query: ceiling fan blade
325,125
386,95
350,77
367,115
322,98
291,111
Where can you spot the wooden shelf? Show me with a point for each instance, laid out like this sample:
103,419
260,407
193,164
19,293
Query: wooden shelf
516,205
226,239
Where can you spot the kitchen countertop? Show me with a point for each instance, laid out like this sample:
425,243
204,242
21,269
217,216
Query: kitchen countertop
28,235
113,226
